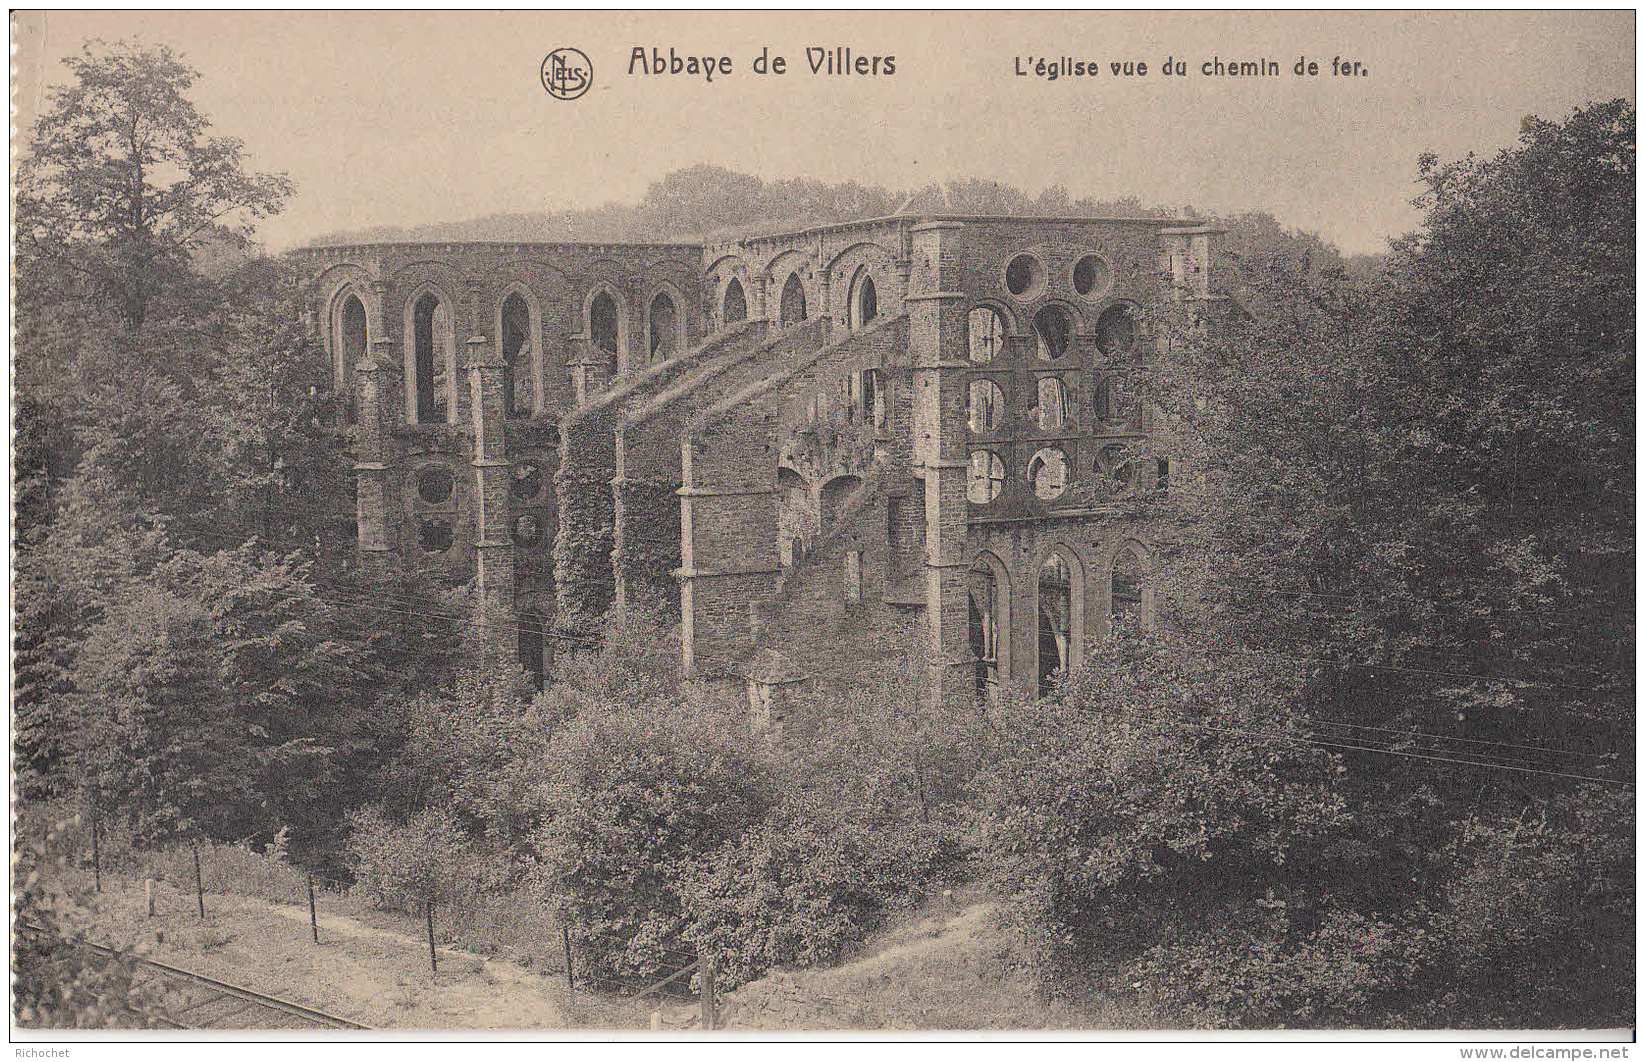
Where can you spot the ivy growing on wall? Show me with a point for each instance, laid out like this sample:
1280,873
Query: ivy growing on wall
651,543
585,581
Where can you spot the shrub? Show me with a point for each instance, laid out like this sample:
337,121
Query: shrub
1155,792
798,891
407,865
640,793
57,982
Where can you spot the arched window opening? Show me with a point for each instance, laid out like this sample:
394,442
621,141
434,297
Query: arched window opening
1048,473
1056,622
665,327
735,306
519,396
525,481
351,350
1115,469
834,495
792,308
431,330
1114,402
1053,330
987,406
985,477
865,301
984,629
603,327
987,334
1116,332
535,647
1125,588
435,534
797,518
865,398
1050,409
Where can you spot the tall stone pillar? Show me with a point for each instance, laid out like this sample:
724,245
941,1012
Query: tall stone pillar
379,377
493,545
937,349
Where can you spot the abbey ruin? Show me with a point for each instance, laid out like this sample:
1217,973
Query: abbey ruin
798,441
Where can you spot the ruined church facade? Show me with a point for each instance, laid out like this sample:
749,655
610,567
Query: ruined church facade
814,447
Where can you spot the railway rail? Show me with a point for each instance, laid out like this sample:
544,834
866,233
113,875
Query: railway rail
195,1001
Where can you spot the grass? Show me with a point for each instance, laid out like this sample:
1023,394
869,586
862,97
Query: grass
947,966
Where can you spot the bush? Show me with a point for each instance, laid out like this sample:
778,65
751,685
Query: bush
640,794
57,982
407,865
1156,792
797,891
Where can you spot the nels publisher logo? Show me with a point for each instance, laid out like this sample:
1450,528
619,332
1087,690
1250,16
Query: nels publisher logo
567,73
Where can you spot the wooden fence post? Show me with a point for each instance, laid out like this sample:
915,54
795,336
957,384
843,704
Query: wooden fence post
428,909
570,985
148,896
705,977
313,922
96,858
199,885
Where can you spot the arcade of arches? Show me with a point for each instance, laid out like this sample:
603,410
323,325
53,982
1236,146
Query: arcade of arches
935,423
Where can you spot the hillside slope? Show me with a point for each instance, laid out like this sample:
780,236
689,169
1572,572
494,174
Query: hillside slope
950,966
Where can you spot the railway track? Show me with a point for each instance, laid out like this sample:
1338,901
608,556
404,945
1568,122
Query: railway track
195,1001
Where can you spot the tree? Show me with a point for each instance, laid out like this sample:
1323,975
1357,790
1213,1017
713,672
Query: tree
122,183
219,698
1415,554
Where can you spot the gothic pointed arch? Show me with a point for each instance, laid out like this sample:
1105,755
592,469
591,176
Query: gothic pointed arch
734,305
865,300
792,308
1059,604
518,335
664,327
1130,593
431,356
350,339
989,584
605,318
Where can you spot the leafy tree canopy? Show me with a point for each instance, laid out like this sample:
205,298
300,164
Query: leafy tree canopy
122,182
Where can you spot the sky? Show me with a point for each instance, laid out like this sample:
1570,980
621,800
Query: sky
409,118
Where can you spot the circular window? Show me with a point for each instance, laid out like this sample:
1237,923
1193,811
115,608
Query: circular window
987,406
1053,329
1048,473
527,531
986,477
1093,276
526,482
434,535
987,330
435,484
1025,276
1115,468
1051,409
1116,331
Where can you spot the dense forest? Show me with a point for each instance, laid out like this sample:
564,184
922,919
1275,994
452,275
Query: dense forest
1372,768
